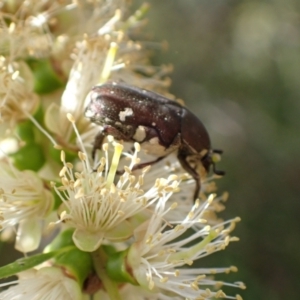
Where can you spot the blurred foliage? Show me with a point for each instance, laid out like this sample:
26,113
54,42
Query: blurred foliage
237,66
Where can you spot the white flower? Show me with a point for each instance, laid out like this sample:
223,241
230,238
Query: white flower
16,93
24,201
47,283
160,261
91,54
24,36
128,292
100,209
184,195
106,52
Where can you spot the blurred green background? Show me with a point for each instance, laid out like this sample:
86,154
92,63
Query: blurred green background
237,66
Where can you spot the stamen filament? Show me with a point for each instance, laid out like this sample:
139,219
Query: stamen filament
109,62
114,164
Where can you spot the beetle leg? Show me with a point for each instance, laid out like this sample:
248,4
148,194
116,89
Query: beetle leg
107,130
97,143
142,165
186,166
145,164
152,145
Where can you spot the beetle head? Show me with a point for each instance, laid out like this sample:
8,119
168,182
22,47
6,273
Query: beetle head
211,158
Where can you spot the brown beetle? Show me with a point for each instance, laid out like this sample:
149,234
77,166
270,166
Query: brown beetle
159,124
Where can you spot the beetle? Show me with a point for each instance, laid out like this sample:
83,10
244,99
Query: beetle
159,124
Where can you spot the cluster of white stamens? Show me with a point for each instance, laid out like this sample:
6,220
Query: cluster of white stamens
98,204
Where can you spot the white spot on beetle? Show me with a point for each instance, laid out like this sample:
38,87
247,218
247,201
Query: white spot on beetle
89,113
153,124
126,113
90,98
154,141
140,134
153,147
94,96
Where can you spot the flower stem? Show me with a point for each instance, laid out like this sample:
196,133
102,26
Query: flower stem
111,287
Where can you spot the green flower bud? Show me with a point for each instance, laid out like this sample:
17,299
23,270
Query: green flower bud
55,155
29,157
77,263
46,79
25,131
63,239
116,267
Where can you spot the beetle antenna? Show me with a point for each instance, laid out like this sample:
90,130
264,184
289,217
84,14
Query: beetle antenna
214,159
217,172
218,151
